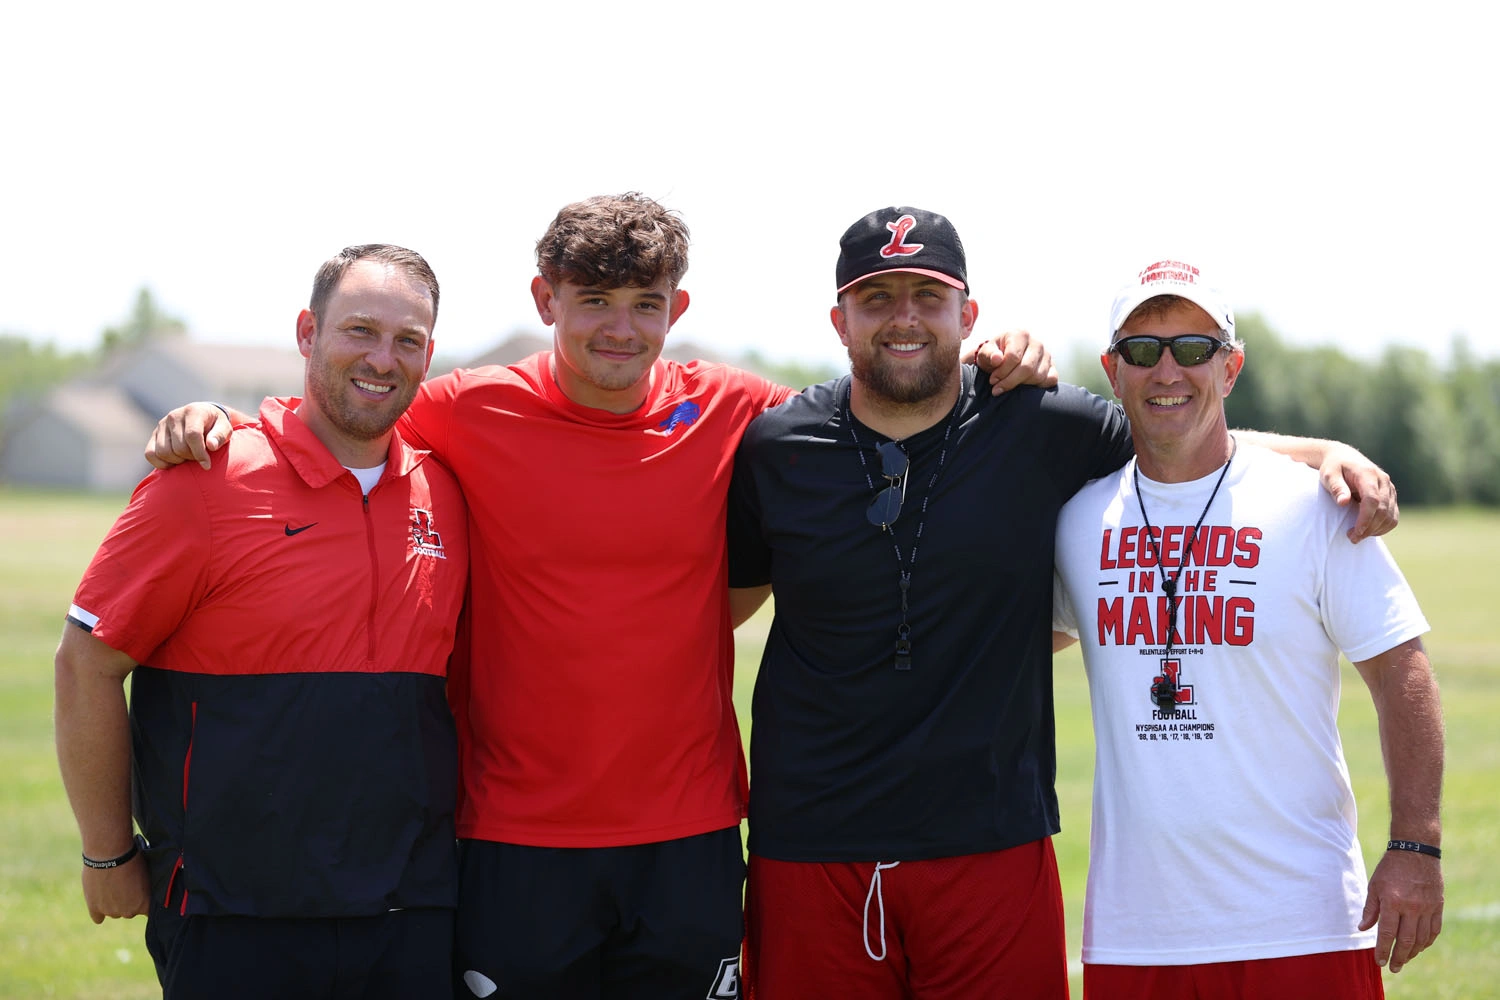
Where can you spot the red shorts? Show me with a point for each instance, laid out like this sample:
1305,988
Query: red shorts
979,925
1330,975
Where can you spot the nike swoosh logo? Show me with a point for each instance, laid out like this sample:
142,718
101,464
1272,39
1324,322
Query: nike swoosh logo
290,531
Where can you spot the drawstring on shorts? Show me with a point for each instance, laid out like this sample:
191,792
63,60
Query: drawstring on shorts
879,897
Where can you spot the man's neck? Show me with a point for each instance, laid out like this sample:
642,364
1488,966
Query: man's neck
351,452
1176,462
899,421
618,401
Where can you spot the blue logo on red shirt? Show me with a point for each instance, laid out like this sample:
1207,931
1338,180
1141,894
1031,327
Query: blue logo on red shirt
685,414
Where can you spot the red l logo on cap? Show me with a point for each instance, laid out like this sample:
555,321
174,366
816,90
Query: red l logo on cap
896,247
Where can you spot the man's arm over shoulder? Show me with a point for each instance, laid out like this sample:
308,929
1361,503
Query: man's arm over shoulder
1089,436
93,753
1347,475
749,555
428,421
762,393
1405,896
1014,358
190,432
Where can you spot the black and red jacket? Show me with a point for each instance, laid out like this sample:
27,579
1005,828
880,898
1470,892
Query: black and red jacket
294,755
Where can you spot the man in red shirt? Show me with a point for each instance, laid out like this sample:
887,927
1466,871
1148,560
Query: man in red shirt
286,619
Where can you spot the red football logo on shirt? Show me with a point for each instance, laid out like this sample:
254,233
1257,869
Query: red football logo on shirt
1171,670
425,540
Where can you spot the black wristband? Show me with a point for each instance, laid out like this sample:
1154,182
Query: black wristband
1414,847
222,409
136,844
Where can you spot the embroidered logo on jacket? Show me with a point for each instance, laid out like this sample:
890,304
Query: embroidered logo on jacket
685,414
425,540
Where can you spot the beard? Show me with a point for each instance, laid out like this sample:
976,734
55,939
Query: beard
357,422
894,382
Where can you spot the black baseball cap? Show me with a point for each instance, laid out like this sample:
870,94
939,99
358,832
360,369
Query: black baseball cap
901,238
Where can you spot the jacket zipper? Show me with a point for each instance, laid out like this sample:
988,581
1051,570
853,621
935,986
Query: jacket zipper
374,577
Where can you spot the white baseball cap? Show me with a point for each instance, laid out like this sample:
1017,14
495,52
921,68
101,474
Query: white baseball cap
1171,277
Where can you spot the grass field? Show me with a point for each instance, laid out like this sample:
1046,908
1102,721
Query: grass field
48,947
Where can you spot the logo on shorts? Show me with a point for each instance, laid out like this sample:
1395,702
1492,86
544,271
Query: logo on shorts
726,981
425,540
479,984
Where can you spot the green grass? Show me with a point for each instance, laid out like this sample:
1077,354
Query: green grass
49,948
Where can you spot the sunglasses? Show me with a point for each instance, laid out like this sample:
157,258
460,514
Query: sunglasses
1189,351
886,506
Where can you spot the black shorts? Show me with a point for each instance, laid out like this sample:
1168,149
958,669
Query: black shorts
646,922
395,956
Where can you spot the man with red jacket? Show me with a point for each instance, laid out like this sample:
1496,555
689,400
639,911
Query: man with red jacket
286,619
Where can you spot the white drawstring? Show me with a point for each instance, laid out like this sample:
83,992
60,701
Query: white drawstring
879,896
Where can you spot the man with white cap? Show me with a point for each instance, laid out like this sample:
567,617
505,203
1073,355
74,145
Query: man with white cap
1212,585
903,759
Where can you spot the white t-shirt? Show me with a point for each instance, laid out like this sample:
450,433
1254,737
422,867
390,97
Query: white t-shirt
1227,832
368,477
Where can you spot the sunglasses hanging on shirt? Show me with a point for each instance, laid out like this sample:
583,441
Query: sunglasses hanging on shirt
886,506
895,465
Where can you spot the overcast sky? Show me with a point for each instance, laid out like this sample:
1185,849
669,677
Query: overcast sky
1331,164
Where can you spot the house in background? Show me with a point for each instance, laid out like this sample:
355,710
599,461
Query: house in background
88,434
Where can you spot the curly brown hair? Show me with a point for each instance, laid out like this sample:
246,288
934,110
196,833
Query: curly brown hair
614,241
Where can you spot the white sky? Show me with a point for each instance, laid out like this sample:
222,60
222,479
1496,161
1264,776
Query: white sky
1333,164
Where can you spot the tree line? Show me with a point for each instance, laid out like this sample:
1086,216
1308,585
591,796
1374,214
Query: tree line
1435,429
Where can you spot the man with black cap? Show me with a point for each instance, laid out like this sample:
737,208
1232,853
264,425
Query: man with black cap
902,752
1213,586
902,798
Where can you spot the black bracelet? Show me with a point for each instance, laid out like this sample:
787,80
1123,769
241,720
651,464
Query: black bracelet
1414,847
136,843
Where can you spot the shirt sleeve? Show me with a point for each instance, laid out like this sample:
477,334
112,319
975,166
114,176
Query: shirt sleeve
762,393
1114,447
427,422
152,568
749,555
1091,438
1366,603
